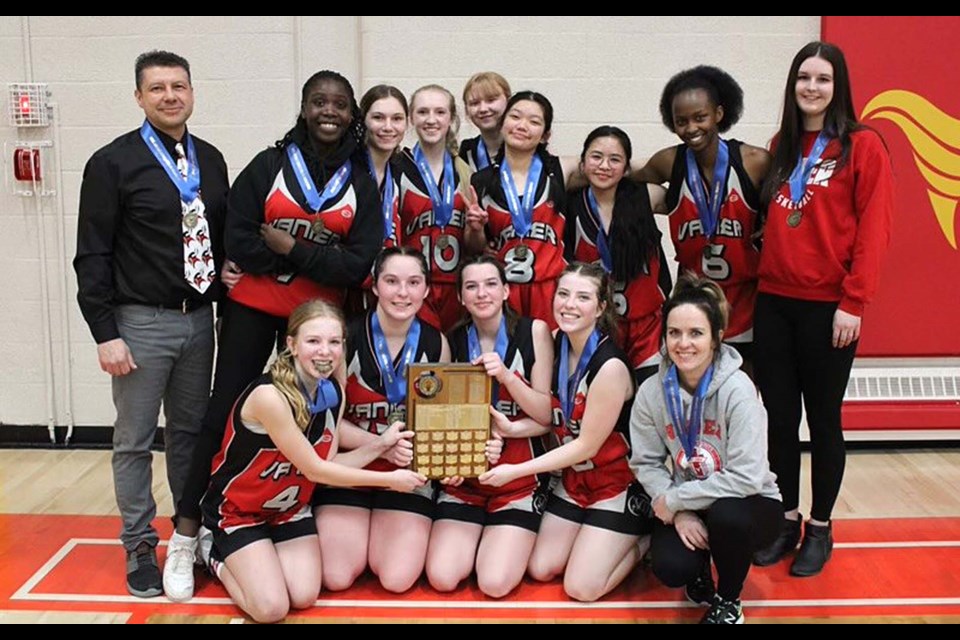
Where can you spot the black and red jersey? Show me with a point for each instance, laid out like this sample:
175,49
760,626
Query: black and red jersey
519,360
733,258
251,481
636,300
542,260
607,474
280,292
366,398
418,224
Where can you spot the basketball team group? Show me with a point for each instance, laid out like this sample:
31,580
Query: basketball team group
634,420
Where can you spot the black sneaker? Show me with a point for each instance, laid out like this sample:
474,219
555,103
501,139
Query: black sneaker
702,591
143,574
784,544
723,612
814,551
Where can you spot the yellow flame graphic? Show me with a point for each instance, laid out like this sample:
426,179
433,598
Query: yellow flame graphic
935,138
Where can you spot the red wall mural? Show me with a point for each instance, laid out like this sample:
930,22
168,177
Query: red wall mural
906,84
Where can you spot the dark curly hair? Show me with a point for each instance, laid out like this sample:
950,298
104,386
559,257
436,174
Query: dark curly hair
720,86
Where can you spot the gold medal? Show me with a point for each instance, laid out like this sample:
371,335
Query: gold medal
397,415
317,227
428,385
708,252
190,219
521,251
443,242
794,219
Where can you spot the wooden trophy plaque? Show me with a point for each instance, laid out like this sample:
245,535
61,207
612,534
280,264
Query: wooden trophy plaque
448,408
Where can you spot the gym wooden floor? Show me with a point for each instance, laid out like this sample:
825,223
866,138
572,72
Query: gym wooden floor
916,493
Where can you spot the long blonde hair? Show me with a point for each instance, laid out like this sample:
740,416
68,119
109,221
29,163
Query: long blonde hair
284,371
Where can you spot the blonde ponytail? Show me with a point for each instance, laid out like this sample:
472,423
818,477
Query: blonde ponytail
284,371
285,379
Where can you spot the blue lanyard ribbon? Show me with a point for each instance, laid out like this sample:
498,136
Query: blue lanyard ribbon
189,185
394,379
474,349
483,159
603,248
388,187
688,431
473,340
442,207
326,396
801,172
316,200
708,208
566,384
522,214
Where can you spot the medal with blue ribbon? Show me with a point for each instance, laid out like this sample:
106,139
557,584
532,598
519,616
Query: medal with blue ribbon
387,202
567,385
603,247
521,213
316,200
801,175
483,158
473,341
326,396
688,431
394,378
188,185
708,206
474,350
442,206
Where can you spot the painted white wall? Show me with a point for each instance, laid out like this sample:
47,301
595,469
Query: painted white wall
247,73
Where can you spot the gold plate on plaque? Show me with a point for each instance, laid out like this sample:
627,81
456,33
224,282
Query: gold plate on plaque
448,408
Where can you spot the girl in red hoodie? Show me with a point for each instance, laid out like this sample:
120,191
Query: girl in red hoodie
830,203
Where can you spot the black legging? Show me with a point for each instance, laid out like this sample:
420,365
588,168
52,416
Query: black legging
795,357
736,527
746,351
247,338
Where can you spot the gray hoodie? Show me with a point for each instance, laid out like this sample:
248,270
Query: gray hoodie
733,441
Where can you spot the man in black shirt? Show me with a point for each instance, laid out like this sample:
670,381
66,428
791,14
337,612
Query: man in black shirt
149,247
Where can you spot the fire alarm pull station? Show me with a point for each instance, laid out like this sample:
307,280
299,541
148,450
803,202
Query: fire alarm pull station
26,164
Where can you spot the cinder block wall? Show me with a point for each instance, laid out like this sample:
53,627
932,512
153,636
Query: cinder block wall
247,74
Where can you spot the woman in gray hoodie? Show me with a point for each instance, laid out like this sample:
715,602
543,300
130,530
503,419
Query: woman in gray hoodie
699,436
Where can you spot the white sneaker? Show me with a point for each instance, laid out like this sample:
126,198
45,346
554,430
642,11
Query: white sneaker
178,568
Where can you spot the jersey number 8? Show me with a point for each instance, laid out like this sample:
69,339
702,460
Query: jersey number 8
520,270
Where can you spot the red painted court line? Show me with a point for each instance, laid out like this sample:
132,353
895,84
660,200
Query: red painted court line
854,578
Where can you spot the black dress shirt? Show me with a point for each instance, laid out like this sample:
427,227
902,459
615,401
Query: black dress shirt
130,234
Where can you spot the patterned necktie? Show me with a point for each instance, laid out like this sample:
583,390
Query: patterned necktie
198,268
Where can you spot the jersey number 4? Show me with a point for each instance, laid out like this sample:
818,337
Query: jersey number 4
283,501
